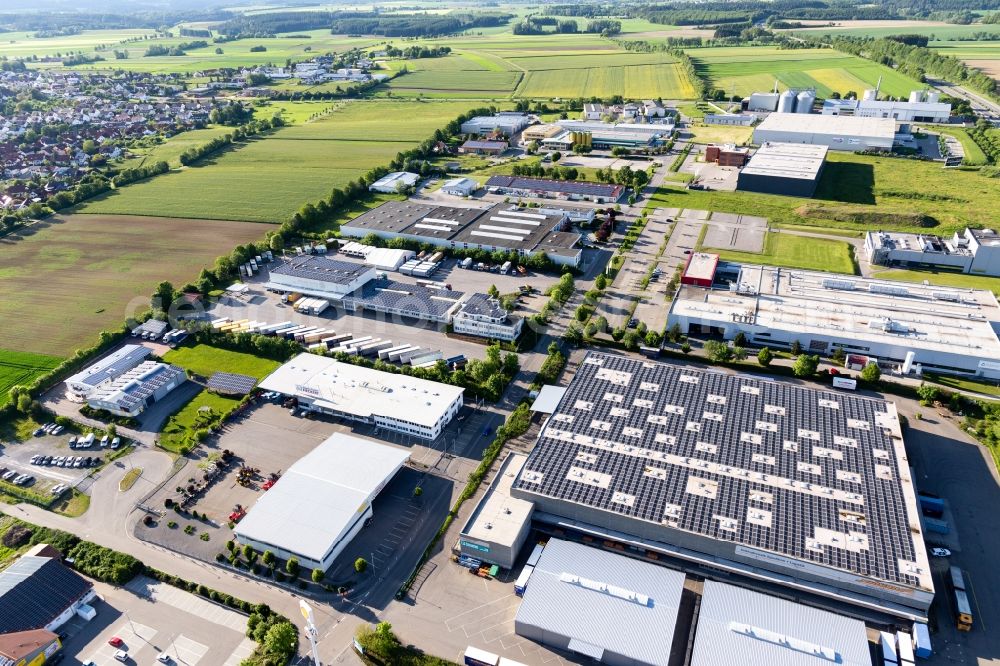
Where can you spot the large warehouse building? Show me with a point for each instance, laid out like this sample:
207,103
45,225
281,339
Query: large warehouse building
503,227
926,327
322,501
106,370
574,190
416,407
791,169
975,251
797,487
835,132
612,609
130,393
739,627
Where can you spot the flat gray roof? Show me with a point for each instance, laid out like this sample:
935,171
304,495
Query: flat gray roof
499,518
394,216
603,602
787,160
814,123
813,475
319,267
739,627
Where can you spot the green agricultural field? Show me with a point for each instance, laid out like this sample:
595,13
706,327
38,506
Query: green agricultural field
22,44
170,150
741,70
67,278
456,84
20,369
268,179
930,29
206,360
858,192
797,252
711,134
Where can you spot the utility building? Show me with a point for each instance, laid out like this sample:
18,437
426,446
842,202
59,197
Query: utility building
975,251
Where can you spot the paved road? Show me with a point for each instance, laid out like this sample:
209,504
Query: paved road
980,104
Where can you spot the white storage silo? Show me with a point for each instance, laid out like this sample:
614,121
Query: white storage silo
870,95
916,96
933,96
786,103
804,101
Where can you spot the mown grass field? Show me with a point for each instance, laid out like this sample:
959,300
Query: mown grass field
943,278
67,278
709,134
930,29
206,360
21,368
858,192
178,433
741,70
268,179
797,252
22,44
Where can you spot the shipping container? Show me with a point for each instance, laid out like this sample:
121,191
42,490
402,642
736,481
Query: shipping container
316,336
845,383
425,358
300,335
535,554
521,584
931,502
476,657
383,354
410,353
964,611
904,642
922,640
396,355
936,526
335,340
888,642
957,578
374,347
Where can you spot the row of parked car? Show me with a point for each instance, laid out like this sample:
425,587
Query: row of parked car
86,441
66,461
49,429
15,477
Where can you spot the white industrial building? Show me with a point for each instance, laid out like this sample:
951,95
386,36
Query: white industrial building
130,393
415,407
498,528
740,627
394,182
737,119
460,187
835,132
483,316
507,123
85,382
379,258
916,327
922,106
975,251
608,607
790,101
322,501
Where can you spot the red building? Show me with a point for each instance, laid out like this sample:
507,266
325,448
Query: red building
727,156
699,270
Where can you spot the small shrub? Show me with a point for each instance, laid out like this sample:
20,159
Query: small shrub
189,529
172,524
205,536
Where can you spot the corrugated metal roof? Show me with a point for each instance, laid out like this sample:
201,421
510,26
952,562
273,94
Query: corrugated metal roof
618,604
548,399
783,633
36,590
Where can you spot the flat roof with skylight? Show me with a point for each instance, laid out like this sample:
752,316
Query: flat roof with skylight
809,483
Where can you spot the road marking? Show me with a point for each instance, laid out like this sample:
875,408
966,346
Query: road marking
163,593
975,600
242,651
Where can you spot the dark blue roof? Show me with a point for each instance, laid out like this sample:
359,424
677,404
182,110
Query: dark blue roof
36,590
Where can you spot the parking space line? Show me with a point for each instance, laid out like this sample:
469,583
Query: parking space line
242,651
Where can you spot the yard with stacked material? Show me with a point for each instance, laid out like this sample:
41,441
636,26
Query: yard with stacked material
741,70
20,369
269,178
67,278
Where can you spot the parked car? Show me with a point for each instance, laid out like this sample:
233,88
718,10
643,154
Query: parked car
115,443
104,440
121,655
116,642
9,475
164,658
940,552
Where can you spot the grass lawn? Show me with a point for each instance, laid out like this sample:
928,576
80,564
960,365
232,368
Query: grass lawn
720,134
943,278
858,192
67,278
205,360
963,383
267,179
179,432
797,252
72,504
21,368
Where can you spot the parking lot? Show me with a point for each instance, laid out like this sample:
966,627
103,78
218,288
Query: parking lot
270,439
16,457
153,618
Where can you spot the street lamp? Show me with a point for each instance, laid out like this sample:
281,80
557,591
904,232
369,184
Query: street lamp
307,613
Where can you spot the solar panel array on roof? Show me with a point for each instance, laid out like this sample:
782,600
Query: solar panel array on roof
389,295
34,591
556,186
810,474
225,382
314,267
112,365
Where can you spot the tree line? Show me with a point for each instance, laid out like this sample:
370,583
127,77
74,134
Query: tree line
252,128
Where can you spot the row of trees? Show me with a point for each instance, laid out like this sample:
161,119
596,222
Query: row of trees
252,128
